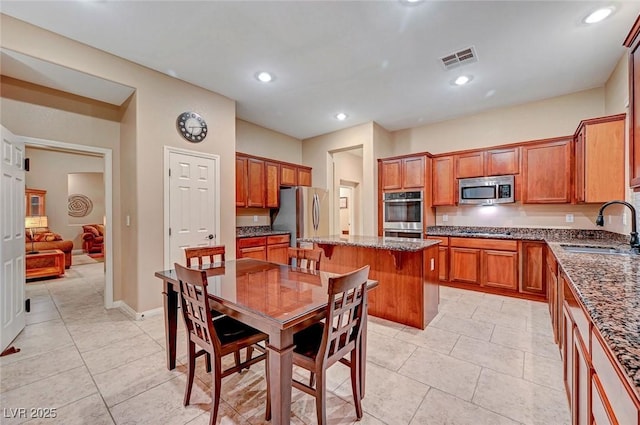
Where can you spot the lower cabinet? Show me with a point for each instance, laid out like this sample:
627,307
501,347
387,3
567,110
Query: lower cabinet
267,248
532,257
596,389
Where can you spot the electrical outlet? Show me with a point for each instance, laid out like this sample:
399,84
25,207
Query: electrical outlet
255,218
128,220
445,217
569,218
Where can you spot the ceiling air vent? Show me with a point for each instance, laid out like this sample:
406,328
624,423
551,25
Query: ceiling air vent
459,58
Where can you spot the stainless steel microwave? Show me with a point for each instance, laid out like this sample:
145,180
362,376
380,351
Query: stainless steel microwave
487,190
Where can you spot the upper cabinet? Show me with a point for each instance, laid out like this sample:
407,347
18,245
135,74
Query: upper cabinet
444,184
546,172
258,180
599,159
490,162
35,202
633,43
402,173
469,164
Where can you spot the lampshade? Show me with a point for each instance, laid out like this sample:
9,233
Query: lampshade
36,221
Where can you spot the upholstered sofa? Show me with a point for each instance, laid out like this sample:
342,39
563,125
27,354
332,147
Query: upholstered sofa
45,240
93,238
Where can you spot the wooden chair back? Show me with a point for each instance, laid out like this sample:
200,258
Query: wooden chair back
348,293
305,258
195,308
201,252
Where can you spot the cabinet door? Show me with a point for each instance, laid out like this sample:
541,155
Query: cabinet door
255,183
241,182
413,173
272,173
603,166
567,353
443,263
500,269
443,181
581,411
633,42
552,286
304,176
257,252
470,165
278,253
533,267
392,174
501,162
35,202
601,410
579,157
546,170
465,265
288,175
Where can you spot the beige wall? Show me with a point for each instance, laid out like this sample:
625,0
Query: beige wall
159,100
616,90
49,170
558,116
255,140
317,153
91,185
252,217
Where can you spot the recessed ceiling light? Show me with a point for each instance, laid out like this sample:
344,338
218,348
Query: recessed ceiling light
598,15
341,116
264,77
462,80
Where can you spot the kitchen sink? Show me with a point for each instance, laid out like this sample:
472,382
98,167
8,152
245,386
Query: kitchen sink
597,250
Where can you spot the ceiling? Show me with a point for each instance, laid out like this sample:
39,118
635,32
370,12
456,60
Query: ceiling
373,60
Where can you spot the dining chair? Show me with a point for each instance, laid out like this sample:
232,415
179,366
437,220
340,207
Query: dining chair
200,252
320,346
305,258
215,338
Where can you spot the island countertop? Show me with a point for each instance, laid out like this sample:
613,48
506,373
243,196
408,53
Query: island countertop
376,242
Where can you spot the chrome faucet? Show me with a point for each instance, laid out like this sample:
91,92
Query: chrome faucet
635,244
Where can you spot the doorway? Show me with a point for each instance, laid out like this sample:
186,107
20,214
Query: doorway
346,196
106,156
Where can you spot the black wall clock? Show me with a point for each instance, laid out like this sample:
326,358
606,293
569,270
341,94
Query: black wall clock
192,127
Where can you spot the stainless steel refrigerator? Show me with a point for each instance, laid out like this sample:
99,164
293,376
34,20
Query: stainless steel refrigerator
304,212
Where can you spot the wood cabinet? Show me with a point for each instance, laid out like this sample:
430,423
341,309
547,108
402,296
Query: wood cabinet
35,202
633,43
267,248
444,185
502,161
443,257
258,180
489,263
272,185
599,159
532,278
554,296
402,173
470,164
546,172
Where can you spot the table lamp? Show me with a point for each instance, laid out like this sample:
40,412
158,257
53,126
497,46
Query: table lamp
35,222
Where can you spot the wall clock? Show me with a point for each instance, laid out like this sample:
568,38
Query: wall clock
192,127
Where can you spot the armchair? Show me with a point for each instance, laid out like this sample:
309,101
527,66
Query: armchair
93,238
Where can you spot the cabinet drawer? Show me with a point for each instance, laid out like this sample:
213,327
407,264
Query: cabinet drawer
625,410
250,242
496,244
277,239
444,239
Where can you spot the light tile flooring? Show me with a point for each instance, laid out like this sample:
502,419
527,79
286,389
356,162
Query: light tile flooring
484,360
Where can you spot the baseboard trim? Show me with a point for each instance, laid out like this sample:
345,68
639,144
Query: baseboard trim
77,251
126,309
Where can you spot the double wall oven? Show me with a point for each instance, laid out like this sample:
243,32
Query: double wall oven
402,214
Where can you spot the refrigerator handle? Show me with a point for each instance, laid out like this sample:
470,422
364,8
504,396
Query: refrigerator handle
316,212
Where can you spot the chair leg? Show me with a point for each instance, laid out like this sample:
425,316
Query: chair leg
208,359
321,405
249,355
355,382
191,369
236,356
312,379
216,382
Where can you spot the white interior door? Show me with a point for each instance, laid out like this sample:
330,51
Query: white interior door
12,252
193,202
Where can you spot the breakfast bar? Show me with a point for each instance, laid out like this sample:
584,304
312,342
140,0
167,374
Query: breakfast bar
406,269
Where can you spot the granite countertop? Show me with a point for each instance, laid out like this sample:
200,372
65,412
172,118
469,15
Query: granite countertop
257,231
524,233
394,244
609,288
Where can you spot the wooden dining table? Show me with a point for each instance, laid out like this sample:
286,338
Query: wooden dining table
276,299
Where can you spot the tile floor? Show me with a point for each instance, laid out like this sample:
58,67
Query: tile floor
484,360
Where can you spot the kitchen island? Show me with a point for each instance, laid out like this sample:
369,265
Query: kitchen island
406,269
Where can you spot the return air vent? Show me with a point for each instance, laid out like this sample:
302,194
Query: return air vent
459,58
